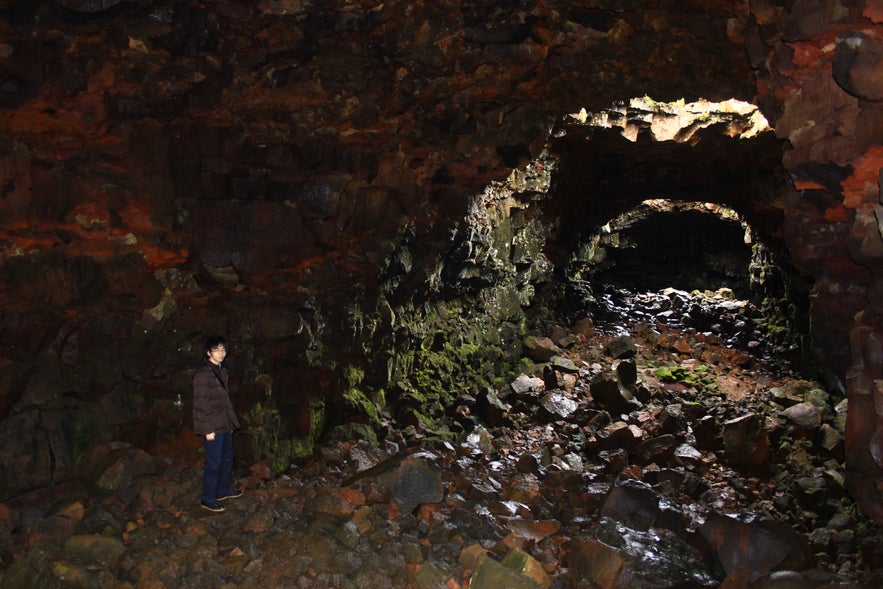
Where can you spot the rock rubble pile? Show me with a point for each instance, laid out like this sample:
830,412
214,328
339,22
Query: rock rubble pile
646,456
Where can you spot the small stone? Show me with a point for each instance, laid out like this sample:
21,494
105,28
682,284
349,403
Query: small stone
523,488
563,364
491,574
803,415
481,439
621,347
417,481
567,341
94,548
259,521
690,456
619,435
558,405
856,66
521,561
527,463
762,545
533,529
225,276
330,504
526,384
493,410
430,577
348,535
615,460
585,327
841,521
627,373
540,349
707,433
745,441
831,440
607,392
658,450
672,420
594,562
632,503
130,464
472,555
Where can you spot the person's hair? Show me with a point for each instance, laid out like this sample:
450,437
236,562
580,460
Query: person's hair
213,342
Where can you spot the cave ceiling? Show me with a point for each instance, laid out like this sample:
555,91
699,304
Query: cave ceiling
180,131
602,173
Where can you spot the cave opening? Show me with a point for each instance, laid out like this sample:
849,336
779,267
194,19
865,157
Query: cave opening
682,197
663,244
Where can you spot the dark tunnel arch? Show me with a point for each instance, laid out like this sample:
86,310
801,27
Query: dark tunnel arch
663,243
702,251
655,195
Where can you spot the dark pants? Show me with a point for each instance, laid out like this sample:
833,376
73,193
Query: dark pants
218,466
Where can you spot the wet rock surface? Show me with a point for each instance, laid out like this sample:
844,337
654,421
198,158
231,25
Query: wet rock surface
700,465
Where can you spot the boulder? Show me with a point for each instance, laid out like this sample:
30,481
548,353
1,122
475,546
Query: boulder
746,442
557,405
520,561
525,384
594,564
616,557
633,504
540,349
755,545
621,347
856,67
416,481
491,574
804,416
607,392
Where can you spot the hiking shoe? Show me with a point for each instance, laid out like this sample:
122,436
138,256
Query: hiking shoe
212,506
234,494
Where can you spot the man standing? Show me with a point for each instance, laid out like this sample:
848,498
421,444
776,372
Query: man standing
214,420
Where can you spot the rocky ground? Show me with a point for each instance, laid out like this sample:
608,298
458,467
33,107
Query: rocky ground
641,453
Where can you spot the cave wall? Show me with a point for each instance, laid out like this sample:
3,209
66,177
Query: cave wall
820,85
305,178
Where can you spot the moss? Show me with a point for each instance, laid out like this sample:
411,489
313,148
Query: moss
698,378
264,425
463,351
797,456
301,449
357,400
525,365
270,441
353,431
500,382
353,376
280,460
437,375
355,397
439,351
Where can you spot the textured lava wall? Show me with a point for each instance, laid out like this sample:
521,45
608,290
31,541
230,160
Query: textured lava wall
821,83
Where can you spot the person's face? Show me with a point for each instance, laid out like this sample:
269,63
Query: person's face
217,354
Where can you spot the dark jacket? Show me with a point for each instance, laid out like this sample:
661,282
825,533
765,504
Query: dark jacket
212,409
